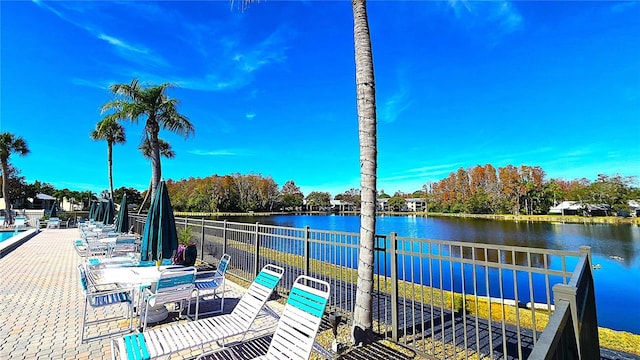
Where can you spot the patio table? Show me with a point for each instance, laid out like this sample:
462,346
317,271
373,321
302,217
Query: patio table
138,276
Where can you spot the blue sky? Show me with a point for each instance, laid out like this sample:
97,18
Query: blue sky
271,90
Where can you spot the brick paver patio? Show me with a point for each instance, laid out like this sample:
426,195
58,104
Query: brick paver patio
41,303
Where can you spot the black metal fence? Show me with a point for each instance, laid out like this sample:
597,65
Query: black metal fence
444,299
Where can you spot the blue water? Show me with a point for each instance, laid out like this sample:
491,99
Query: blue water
4,235
617,282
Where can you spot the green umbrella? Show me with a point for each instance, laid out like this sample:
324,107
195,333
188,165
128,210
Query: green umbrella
99,214
122,221
54,210
109,213
92,210
159,238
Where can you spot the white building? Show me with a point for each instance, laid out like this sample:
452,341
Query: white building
566,208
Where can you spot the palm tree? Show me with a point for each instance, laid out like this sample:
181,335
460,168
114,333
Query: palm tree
161,112
165,150
9,144
362,331
109,130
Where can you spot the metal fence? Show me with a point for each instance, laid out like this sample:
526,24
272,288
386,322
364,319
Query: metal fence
444,299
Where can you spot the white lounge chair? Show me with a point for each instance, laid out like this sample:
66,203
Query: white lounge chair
168,340
212,286
299,323
20,222
53,223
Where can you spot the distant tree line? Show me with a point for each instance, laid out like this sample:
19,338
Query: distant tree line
477,190
523,190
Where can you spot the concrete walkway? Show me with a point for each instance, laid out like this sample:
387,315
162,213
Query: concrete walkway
41,303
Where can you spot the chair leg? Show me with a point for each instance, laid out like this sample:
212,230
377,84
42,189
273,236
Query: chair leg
84,319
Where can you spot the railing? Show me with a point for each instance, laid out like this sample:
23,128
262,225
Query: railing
572,332
443,299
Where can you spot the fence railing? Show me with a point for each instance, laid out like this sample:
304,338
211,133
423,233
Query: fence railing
573,330
444,299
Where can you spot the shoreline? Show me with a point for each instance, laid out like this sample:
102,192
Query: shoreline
570,219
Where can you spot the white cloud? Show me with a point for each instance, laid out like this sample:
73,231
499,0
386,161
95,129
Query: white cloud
500,12
250,116
121,44
221,152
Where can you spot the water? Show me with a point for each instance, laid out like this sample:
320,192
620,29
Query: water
617,282
4,235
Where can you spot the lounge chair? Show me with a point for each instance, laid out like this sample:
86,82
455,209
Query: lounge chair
53,223
299,323
101,296
20,222
212,286
168,340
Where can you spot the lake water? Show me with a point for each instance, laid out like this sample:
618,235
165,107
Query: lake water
617,282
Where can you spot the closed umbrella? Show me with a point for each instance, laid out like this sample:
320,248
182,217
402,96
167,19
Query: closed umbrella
92,210
107,216
122,221
100,208
54,210
159,238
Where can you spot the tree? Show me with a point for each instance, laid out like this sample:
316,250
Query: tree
397,203
291,195
318,199
109,130
134,102
18,187
165,150
133,195
362,331
9,144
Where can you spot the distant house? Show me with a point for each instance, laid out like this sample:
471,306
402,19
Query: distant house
566,208
383,204
634,207
42,201
415,204
70,205
339,206
598,210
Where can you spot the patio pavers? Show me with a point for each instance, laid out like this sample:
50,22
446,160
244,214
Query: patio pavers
41,303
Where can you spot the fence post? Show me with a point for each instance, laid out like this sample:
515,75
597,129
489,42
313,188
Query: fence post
224,237
202,242
307,251
395,323
562,292
256,259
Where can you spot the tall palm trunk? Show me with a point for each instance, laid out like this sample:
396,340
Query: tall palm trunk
362,331
156,170
110,164
8,219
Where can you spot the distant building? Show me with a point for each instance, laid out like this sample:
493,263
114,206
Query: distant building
598,210
42,201
415,204
634,207
71,205
566,208
339,206
382,204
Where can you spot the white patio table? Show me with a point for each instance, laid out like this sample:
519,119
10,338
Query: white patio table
138,276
